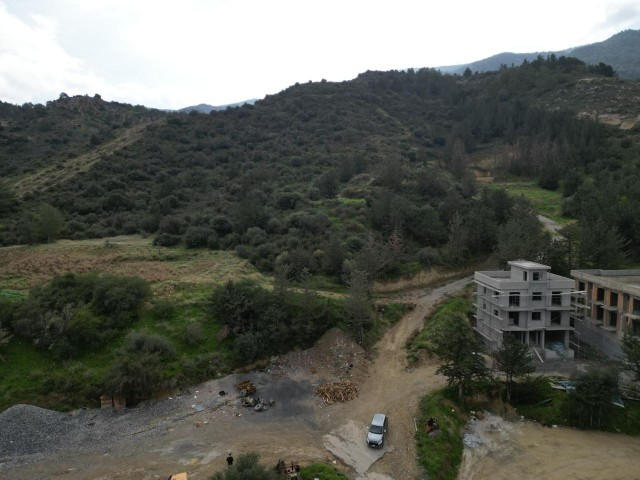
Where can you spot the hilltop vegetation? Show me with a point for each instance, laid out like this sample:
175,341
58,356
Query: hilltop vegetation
327,177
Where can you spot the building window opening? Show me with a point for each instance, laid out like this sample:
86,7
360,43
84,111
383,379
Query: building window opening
514,299
537,296
556,298
536,276
514,319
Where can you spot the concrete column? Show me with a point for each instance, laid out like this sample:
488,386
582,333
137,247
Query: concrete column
542,338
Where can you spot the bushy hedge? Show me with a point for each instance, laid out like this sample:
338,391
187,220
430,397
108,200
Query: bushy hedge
263,322
72,312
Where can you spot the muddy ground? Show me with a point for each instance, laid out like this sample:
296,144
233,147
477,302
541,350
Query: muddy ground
195,431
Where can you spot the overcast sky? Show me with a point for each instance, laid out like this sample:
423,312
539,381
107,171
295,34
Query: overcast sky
171,54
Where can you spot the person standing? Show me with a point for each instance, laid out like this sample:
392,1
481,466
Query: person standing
230,459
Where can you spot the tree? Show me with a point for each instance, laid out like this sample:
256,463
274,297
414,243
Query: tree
602,246
589,405
7,200
457,250
523,236
135,376
513,359
246,467
456,343
456,158
631,352
359,303
49,222
4,340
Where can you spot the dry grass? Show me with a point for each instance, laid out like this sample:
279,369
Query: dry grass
23,267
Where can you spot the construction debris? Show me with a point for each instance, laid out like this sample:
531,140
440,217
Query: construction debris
246,388
337,392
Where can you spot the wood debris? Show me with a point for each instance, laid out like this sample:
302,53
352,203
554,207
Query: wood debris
337,392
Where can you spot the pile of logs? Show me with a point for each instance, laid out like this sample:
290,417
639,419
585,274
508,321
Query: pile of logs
337,392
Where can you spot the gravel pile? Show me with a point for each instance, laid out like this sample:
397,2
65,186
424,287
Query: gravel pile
30,430
30,434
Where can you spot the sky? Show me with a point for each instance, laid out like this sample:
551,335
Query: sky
172,54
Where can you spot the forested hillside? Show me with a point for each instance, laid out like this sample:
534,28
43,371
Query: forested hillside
324,176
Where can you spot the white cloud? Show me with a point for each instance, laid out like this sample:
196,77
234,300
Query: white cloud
171,54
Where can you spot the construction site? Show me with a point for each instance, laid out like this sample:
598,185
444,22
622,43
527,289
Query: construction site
310,406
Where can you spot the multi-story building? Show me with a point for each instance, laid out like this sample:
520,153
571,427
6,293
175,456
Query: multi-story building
528,301
609,306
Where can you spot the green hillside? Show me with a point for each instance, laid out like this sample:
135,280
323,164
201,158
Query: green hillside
322,174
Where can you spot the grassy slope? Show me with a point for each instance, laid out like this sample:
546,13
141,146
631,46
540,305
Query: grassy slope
178,276
545,202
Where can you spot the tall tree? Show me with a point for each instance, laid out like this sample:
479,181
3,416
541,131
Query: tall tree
457,246
513,358
602,246
589,404
359,307
456,344
4,340
49,223
523,236
630,346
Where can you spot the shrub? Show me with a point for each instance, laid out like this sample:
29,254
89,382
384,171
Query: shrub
163,310
246,467
193,333
319,470
118,295
166,240
135,376
151,343
196,237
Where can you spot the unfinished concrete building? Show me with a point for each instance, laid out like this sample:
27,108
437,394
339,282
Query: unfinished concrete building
607,305
528,301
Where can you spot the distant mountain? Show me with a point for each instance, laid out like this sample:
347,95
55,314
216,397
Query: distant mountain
494,62
205,108
621,51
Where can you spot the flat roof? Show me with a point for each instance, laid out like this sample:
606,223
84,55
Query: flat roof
528,265
624,280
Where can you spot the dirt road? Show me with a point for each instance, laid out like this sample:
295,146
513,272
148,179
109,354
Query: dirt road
528,451
195,431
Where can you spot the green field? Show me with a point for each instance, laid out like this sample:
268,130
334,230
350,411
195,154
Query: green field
544,202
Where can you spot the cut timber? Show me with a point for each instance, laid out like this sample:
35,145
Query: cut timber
337,392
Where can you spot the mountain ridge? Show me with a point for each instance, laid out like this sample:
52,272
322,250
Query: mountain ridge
621,51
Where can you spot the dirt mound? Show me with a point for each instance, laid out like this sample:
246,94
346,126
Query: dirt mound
335,356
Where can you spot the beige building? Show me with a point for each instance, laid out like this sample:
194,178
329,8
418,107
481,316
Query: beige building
609,305
528,301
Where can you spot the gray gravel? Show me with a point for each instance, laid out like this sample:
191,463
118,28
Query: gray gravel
30,434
